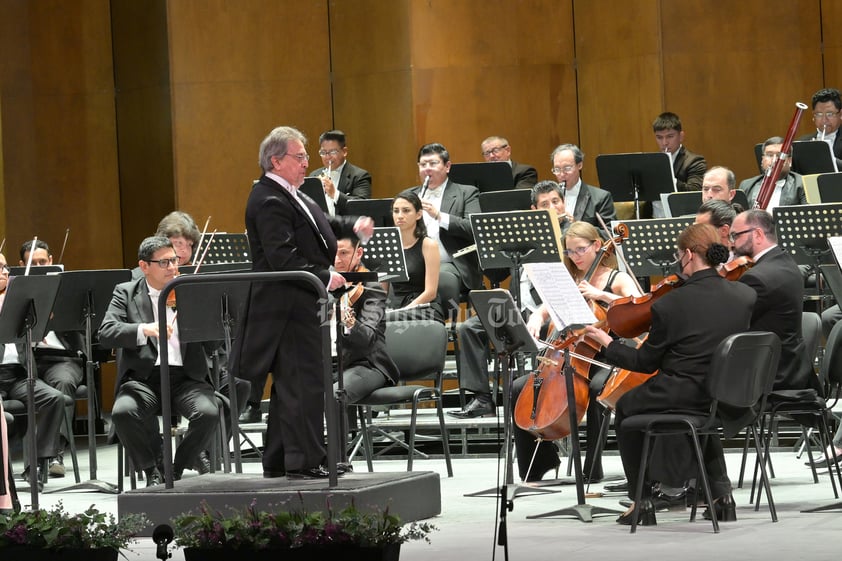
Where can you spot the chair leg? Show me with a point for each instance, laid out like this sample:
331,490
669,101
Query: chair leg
71,442
743,462
697,448
764,478
638,491
364,426
445,438
827,442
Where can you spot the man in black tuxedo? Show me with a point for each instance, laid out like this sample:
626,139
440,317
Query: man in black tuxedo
780,291
580,199
827,104
131,326
282,328
688,168
447,207
498,149
341,179
789,187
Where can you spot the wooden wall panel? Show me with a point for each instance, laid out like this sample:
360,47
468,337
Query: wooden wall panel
237,71
831,15
59,149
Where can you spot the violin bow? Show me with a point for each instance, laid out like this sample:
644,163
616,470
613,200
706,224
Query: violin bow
619,252
31,253
2,245
202,258
201,238
63,246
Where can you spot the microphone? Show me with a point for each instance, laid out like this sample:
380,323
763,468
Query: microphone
162,535
424,186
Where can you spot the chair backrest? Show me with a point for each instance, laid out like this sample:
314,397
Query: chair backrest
831,369
418,347
811,328
743,368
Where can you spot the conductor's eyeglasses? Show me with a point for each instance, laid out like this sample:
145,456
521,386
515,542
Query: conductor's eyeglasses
164,263
734,235
577,251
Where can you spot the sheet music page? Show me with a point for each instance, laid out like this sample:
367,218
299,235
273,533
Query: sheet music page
558,291
835,244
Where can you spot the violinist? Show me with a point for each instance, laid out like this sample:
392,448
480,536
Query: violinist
720,215
582,246
366,365
183,232
687,325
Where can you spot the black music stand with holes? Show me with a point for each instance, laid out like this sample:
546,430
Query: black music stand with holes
639,176
384,255
485,176
650,246
830,187
503,201
686,203
36,270
812,156
208,268
227,248
83,297
312,187
23,318
379,210
211,312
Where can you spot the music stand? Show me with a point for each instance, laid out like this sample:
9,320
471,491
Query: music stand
228,248
485,176
830,187
82,300
313,188
211,312
503,201
384,255
208,268
379,210
36,270
635,177
650,246
26,310
686,203
812,156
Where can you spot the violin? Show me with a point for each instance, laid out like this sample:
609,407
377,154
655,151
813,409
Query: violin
734,269
350,298
631,316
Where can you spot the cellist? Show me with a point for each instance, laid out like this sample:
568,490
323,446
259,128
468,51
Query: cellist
582,245
687,325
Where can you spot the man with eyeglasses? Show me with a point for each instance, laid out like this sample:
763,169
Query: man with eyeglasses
827,104
281,331
498,149
688,168
789,187
131,326
780,290
341,179
581,200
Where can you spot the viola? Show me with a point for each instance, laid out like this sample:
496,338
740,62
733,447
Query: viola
621,381
734,269
632,316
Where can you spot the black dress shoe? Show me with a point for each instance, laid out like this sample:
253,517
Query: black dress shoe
251,414
538,474
726,510
822,463
270,474
203,463
621,487
646,517
344,467
153,477
480,406
317,472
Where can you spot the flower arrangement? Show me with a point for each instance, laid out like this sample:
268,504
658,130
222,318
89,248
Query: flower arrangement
56,529
252,529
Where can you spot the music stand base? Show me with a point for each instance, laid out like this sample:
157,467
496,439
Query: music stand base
91,485
834,506
584,512
515,490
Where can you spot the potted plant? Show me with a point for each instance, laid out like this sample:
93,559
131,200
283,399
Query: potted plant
55,534
280,534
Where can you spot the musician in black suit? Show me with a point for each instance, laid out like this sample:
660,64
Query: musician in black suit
688,168
827,104
687,325
345,181
498,149
131,326
776,279
447,207
789,187
580,199
282,328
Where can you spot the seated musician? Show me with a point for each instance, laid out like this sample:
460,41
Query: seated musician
182,231
63,373
719,183
687,325
422,258
366,365
582,244
789,188
131,326
473,341
720,215
49,402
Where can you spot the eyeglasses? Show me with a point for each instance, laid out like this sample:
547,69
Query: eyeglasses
305,157
565,169
496,150
332,152
5,269
181,244
429,164
578,251
829,115
734,235
164,263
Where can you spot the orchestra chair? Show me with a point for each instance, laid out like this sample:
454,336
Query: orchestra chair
740,378
9,476
811,410
418,348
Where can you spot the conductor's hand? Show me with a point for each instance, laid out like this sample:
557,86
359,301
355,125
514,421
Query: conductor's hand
599,335
336,280
364,228
151,330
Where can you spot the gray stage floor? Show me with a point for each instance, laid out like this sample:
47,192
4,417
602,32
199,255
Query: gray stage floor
467,525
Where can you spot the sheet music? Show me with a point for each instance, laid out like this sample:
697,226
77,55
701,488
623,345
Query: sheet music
558,291
835,244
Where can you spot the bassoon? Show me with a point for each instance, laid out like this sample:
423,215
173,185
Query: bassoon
774,170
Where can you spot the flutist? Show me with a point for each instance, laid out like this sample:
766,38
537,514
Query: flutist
827,104
341,179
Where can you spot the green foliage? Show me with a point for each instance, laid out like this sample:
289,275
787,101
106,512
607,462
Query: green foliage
249,528
57,529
